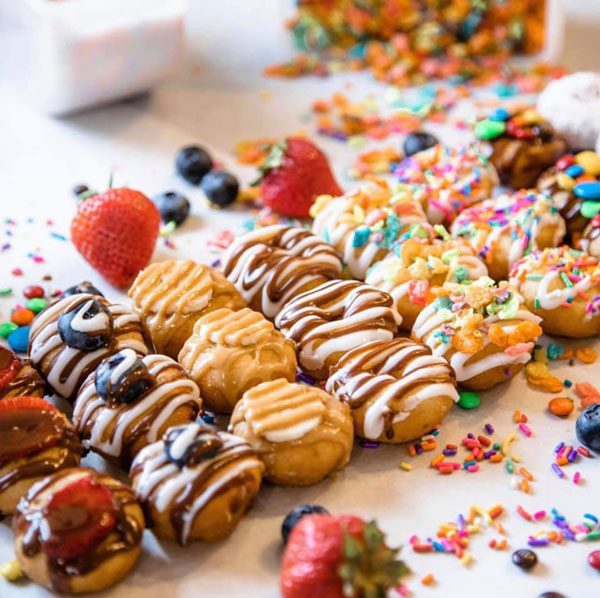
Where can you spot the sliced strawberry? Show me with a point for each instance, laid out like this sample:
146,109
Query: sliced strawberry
28,425
10,365
78,518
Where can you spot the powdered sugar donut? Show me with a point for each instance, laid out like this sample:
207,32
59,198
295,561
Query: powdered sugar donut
572,105
484,331
333,318
562,286
447,180
397,390
423,259
504,229
364,224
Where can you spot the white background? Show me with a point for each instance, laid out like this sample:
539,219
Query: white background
216,99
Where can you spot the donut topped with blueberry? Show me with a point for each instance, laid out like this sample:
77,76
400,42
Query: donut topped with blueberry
186,446
87,325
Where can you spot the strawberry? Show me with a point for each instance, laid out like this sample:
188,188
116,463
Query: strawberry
28,425
78,517
10,365
115,232
294,173
338,556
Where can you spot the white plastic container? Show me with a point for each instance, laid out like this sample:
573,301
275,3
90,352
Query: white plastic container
82,53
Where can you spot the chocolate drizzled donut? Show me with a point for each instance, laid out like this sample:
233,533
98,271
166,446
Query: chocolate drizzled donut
270,265
17,377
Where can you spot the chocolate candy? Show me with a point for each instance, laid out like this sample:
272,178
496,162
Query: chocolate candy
123,377
525,559
489,129
88,327
83,287
588,427
18,339
589,190
594,559
191,444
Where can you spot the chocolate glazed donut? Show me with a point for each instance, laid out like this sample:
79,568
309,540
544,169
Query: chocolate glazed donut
271,265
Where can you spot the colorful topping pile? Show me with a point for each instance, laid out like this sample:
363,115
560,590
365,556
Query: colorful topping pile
526,124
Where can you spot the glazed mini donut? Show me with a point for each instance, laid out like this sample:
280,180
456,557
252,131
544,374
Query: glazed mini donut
397,390
363,225
196,483
590,239
504,229
18,377
71,337
270,265
562,286
230,352
574,184
333,318
523,145
171,296
447,180
130,401
485,332
301,433
424,259
572,105
37,440
78,531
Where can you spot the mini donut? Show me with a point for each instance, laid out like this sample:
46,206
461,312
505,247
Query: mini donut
572,105
230,352
503,230
363,225
562,286
130,401
485,332
270,265
78,531
71,337
18,377
301,433
171,296
196,483
446,180
523,145
335,317
397,390
574,184
36,440
590,239
423,259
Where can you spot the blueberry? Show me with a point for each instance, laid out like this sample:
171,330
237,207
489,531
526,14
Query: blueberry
191,444
80,189
192,163
83,287
292,518
588,427
123,377
417,142
88,326
220,187
173,207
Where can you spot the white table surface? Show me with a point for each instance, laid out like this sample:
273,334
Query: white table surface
216,99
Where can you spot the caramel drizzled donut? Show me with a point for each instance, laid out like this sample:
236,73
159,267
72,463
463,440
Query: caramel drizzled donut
335,317
301,433
171,295
196,483
78,531
36,440
229,352
271,265
364,224
484,331
71,337
130,401
397,390
18,377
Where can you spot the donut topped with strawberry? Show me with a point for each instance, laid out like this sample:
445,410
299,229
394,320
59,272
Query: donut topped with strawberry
37,440
17,376
78,531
